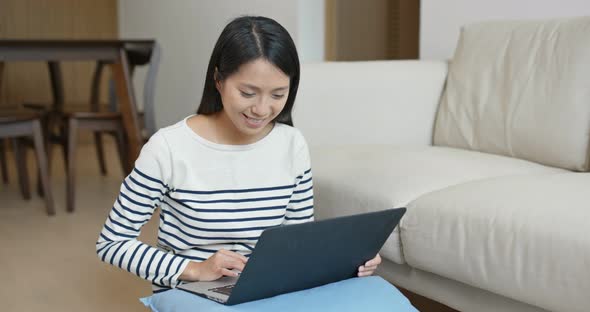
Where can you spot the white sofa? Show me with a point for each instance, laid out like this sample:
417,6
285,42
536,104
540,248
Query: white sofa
489,152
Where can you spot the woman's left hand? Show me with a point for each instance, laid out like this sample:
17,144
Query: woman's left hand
370,266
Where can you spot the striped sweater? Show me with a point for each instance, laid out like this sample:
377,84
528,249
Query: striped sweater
211,196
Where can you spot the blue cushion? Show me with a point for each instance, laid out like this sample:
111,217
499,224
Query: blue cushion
357,294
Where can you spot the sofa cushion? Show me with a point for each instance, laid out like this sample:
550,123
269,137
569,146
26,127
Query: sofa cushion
355,179
520,88
523,237
376,102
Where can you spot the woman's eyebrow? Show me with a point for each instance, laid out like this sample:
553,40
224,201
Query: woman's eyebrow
258,89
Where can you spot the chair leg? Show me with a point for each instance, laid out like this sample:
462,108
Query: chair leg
20,155
43,166
45,130
3,165
71,163
100,152
120,138
63,134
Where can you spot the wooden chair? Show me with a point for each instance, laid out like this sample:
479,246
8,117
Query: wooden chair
111,122
3,167
104,122
18,125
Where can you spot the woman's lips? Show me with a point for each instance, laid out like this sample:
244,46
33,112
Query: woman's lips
253,122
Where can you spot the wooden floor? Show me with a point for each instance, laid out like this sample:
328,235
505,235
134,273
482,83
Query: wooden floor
50,263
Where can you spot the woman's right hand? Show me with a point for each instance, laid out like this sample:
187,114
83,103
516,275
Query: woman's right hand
220,264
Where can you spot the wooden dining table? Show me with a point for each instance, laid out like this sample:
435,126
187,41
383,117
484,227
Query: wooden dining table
113,52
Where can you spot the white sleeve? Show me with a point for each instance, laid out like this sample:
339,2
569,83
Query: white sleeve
300,206
140,194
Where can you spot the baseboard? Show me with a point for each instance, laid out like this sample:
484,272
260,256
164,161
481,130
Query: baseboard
424,304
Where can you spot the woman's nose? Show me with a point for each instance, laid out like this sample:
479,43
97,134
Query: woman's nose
262,108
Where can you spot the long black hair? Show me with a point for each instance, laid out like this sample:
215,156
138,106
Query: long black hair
243,40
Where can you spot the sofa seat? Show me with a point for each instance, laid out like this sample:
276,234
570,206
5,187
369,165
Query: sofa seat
363,178
523,237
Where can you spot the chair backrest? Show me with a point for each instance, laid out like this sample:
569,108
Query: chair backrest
520,89
149,91
140,56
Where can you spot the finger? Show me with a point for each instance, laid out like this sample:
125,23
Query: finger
234,264
362,274
365,268
375,261
234,255
227,272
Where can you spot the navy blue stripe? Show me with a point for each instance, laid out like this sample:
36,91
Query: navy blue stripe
132,257
153,189
245,200
204,250
105,246
262,189
225,210
193,258
303,191
305,181
167,243
141,259
150,178
134,201
224,220
304,173
133,211
298,218
104,255
123,225
158,285
167,270
300,209
118,234
147,270
203,237
158,268
300,200
121,258
138,193
218,230
177,269
105,238
131,221
247,246
157,291
114,253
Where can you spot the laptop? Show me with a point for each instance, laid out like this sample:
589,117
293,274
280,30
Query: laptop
295,257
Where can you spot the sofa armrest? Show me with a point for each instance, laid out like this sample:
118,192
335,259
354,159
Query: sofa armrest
369,102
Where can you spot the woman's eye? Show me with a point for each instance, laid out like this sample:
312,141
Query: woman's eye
278,96
247,95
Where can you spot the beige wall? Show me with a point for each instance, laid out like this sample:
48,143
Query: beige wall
52,19
187,31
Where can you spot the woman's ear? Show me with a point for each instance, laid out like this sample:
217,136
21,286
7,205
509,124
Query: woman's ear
217,80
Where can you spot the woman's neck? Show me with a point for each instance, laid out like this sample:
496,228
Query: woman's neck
218,128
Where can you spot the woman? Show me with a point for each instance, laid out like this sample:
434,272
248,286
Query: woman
222,176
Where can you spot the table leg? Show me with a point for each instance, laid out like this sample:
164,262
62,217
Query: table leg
57,88
1,75
128,108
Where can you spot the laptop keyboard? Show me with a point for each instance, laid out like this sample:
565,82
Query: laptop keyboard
225,290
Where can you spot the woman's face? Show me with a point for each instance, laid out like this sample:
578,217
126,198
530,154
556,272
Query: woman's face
253,96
